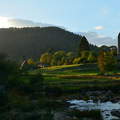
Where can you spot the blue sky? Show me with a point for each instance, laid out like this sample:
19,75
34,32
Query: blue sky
101,16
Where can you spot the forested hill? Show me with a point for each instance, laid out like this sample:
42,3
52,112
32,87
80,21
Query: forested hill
31,42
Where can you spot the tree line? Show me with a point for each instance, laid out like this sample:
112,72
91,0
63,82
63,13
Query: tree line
105,57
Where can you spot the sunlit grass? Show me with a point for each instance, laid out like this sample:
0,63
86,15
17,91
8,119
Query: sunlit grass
77,77
60,67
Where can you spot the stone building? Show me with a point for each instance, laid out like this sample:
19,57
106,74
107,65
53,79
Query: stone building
119,44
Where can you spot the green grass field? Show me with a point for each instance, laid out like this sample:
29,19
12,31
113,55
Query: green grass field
77,77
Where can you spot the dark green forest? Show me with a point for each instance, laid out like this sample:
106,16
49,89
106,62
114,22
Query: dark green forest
32,42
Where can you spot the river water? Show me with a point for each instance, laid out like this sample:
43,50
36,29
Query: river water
105,108
50,107
57,108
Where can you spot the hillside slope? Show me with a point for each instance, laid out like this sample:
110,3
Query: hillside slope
31,42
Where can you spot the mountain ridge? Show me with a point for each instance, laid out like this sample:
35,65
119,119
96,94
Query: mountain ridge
33,41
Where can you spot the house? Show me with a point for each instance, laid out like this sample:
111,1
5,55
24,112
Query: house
41,65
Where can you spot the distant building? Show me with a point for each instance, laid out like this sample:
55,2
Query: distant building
113,48
41,65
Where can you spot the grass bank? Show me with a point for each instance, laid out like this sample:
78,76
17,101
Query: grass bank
73,78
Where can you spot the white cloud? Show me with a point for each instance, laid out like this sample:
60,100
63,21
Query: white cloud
6,22
26,23
98,39
99,28
11,22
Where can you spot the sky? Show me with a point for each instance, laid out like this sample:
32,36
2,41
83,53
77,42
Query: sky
101,17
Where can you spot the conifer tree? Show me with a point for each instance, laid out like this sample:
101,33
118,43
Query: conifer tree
84,45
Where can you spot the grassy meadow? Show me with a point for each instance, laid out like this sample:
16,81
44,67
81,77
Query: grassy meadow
73,78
